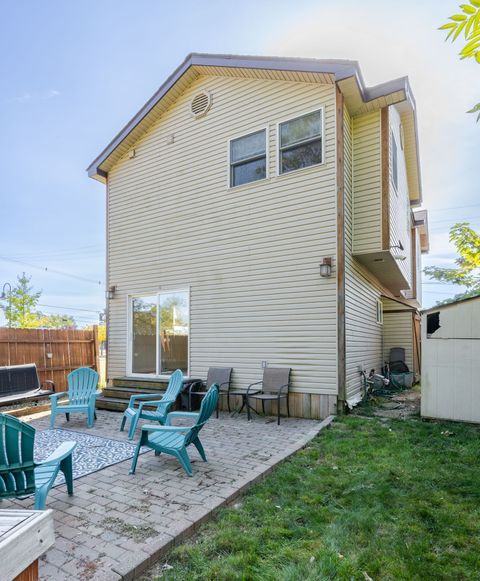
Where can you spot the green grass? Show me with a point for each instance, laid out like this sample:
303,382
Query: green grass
380,499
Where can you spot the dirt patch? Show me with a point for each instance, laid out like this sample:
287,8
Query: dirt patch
400,405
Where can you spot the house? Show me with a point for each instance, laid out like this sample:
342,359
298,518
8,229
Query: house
451,361
260,212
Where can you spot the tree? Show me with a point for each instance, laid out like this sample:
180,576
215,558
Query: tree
468,23
19,309
21,313
56,321
467,272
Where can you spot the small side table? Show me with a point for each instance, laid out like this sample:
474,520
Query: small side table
25,535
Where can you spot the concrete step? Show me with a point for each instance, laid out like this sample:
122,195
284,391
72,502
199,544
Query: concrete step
143,384
126,392
112,404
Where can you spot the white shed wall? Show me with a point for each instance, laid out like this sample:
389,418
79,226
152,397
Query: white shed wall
451,364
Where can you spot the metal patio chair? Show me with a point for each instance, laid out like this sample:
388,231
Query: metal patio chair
218,375
274,387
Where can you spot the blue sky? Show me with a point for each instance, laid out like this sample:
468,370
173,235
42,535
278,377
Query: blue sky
72,74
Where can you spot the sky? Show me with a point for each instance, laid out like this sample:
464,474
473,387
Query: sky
73,73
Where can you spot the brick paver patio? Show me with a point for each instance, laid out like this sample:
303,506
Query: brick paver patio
116,525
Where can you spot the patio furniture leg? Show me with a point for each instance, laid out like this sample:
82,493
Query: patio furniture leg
122,425
94,414
263,407
199,447
278,411
184,460
66,466
67,416
288,407
90,419
135,457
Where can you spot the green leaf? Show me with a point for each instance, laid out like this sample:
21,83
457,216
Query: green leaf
458,17
448,25
475,3
467,9
459,30
477,57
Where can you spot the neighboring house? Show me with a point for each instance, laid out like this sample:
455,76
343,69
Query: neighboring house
451,361
225,194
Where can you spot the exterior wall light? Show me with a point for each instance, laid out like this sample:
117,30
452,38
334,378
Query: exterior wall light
326,267
110,293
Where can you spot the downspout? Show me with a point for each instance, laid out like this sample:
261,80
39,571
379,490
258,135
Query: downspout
340,179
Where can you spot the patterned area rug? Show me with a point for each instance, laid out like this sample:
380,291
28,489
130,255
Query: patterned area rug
92,453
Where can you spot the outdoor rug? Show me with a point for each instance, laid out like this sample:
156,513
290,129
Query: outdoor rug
92,453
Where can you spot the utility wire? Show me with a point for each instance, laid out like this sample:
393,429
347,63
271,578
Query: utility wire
55,271
70,308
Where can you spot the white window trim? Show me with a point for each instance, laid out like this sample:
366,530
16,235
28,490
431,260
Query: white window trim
320,109
379,311
267,157
157,293
393,140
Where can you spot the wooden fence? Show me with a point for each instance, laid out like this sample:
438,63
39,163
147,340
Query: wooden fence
56,352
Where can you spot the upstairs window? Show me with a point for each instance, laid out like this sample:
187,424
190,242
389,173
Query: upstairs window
301,142
248,158
394,163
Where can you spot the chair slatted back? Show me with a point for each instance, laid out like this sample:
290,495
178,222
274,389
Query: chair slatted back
209,404
219,375
274,378
173,389
82,383
17,477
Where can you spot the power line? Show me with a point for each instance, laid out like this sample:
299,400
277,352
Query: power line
70,308
55,271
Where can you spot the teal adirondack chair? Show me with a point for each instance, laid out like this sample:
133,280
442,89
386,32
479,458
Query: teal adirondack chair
174,440
20,475
162,401
82,395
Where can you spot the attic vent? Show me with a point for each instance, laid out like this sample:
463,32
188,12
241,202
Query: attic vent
200,104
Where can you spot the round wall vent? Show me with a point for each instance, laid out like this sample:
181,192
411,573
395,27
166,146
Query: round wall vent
200,104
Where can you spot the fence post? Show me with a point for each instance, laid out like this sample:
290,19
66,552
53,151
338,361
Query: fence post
95,348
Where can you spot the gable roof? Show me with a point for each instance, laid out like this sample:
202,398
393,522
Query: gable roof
346,73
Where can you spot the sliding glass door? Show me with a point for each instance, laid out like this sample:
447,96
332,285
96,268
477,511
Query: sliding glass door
159,340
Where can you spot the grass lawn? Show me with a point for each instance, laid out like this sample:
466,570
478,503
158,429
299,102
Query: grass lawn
380,499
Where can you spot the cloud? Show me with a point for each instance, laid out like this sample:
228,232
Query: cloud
36,96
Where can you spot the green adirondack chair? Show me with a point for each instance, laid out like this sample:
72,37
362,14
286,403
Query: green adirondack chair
162,401
82,395
20,475
174,440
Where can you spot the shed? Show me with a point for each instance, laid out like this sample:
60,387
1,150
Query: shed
451,361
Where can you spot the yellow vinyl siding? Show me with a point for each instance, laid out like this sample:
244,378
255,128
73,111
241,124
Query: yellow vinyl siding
367,208
398,331
250,255
363,334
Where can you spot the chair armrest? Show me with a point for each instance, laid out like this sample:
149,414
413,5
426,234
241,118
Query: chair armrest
252,384
188,415
155,402
50,383
55,396
282,387
153,428
195,384
143,396
64,450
